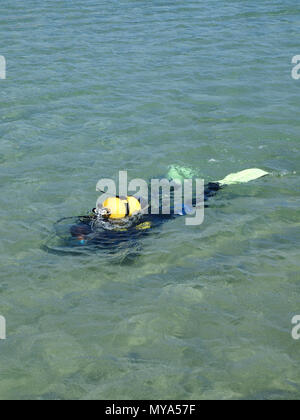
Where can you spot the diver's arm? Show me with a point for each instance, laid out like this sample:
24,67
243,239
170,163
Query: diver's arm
83,228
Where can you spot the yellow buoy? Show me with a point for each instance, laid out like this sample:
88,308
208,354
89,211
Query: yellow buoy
120,207
134,205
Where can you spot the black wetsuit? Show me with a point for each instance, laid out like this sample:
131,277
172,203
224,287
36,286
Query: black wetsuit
86,231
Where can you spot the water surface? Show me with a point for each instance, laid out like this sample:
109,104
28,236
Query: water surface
94,87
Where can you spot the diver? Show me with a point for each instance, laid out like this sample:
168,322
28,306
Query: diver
123,219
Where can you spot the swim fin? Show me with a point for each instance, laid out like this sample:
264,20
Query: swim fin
242,177
180,173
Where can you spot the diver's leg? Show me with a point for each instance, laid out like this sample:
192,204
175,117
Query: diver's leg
211,189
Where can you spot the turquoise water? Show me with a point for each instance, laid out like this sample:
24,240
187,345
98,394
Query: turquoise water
95,87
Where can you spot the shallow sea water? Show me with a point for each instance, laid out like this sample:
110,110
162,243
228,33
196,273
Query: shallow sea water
95,87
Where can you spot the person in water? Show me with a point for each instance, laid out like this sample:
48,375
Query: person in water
121,219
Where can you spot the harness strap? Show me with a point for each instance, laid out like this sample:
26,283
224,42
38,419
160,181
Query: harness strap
126,203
